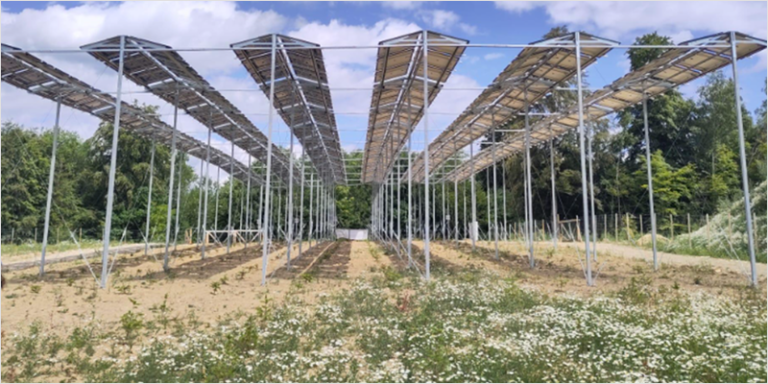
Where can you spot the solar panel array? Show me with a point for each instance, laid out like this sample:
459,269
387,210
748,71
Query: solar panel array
673,68
533,74
397,103
166,74
302,96
29,73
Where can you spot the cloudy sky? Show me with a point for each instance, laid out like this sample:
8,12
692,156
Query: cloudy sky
53,25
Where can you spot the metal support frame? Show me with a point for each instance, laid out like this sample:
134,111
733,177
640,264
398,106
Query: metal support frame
199,227
290,201
426,152
248,203
528,188
207,187
743,160
473,225
593,217
650,182
310,233
178,205
554,193
166,258
49,197
301,202
231,192
584,198
495,196
265,226
149,198
112,168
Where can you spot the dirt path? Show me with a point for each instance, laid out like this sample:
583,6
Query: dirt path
29,260
739,266
366,259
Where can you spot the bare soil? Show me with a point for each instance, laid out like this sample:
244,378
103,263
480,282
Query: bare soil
224,283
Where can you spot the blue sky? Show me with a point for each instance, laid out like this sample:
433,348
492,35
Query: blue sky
186,24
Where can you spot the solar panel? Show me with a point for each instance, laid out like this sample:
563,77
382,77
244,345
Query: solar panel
302,97
397,103
29,73
534,73
167,75
673,68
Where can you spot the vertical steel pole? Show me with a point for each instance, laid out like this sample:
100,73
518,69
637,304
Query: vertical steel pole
743,158
112,168
301,203
495,196
584,198
290,199
442,214
149,197
310,231
218,188
650,181
49,198
265,244
425,54
199,207
504,199
592,191
204,239
464,200
170,182
456,205
248,204
528,188
410,188
473,225
231,192
399,217
178,204
554,196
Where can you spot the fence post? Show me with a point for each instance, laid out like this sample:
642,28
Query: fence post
671,227
640,218
730,227
57,235
690,241
578,228
35,235
605,226
707,226
626,218
81,235
558,226
616,227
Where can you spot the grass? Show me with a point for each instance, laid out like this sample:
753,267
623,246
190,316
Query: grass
462,326
31,248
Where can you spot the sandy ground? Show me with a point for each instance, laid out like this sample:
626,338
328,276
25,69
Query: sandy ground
221,284
740,266
88,252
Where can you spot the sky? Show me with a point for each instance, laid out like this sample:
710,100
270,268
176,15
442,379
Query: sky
68,25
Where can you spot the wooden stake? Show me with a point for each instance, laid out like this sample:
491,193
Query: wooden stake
690,241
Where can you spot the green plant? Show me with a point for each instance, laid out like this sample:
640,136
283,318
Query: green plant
35,289
131,323
215,286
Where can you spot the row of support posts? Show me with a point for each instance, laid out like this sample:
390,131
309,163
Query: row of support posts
325,208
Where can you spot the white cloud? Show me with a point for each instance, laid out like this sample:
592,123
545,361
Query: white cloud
623,20
439,18
401,5
493,56
516,6
446,21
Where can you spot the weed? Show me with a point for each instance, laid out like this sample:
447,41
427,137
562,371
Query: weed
215,287
35,289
